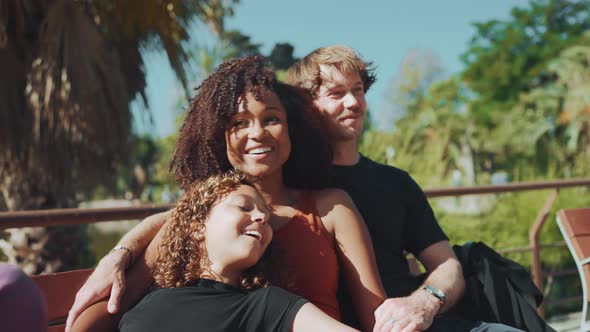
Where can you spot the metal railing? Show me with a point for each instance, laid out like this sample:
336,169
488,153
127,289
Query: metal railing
58,217
535,230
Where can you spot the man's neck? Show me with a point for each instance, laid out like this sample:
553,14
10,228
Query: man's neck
345,153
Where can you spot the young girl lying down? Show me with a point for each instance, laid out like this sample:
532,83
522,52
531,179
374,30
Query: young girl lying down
208,274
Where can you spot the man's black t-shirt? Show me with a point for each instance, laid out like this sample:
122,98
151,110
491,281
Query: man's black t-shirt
398,217
213,306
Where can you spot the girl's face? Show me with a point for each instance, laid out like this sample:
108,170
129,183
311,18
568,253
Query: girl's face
237,231
257,136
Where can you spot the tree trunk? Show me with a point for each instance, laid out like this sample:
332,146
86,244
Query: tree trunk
39,250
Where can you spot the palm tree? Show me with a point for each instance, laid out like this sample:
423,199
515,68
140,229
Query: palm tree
68,72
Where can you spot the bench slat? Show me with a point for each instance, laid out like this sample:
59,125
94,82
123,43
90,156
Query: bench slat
575,227
578,221
581,245
59,290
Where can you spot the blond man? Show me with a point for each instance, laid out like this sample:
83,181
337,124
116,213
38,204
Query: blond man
394,207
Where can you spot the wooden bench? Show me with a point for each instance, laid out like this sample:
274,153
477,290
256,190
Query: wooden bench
575,227
59,290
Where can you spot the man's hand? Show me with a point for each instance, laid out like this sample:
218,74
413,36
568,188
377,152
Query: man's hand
107,278
407,314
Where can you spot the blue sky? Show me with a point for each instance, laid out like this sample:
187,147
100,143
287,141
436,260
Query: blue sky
383,31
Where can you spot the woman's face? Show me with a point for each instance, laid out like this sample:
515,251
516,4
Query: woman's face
237,230
257,136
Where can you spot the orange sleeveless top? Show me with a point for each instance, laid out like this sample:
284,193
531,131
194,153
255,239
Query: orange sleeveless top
308,262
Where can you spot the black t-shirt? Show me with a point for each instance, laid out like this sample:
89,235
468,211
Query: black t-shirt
398,217
213,306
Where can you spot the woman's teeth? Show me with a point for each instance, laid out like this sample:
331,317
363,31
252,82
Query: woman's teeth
260,150
255,234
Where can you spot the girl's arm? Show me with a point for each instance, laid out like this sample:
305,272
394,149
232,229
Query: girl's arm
108,278
311,318
355,250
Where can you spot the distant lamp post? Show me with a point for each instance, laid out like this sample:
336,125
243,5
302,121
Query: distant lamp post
457,178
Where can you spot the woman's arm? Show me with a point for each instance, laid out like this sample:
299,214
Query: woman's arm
139,277
140,236
311,318
355,251
109,275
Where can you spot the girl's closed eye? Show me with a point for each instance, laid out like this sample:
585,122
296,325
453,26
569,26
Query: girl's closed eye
245,207
243,203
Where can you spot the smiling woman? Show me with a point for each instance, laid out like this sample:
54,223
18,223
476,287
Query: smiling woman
238,101
243,118
208,234
208,269
258,138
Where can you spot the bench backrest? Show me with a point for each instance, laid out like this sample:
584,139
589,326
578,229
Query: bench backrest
59,290
575,227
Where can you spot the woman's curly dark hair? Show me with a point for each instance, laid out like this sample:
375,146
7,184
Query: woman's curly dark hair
201,148
182,256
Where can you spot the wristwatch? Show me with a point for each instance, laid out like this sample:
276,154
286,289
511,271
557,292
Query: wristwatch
440,295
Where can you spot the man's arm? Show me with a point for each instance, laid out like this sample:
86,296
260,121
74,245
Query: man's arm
444,272
420,307
108,278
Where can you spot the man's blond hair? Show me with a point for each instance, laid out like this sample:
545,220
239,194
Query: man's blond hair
306,72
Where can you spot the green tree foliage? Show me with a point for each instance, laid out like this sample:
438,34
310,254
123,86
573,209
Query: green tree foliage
525,98
432,138
507,58
547,128
69,71
238,44
573,72
281,56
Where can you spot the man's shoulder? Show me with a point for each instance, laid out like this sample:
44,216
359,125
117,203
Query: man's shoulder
390,170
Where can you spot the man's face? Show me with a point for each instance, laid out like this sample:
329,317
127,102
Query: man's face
341,100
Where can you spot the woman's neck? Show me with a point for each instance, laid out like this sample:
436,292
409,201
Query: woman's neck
274,191
223,274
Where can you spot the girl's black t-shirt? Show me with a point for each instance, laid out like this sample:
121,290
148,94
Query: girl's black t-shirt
213,306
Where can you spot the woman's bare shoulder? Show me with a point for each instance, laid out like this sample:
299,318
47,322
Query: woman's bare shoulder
331,197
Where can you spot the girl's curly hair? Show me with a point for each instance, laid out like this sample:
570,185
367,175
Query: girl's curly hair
182,256
201,148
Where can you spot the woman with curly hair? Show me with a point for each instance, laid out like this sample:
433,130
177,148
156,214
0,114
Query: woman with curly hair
208,271
242,117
